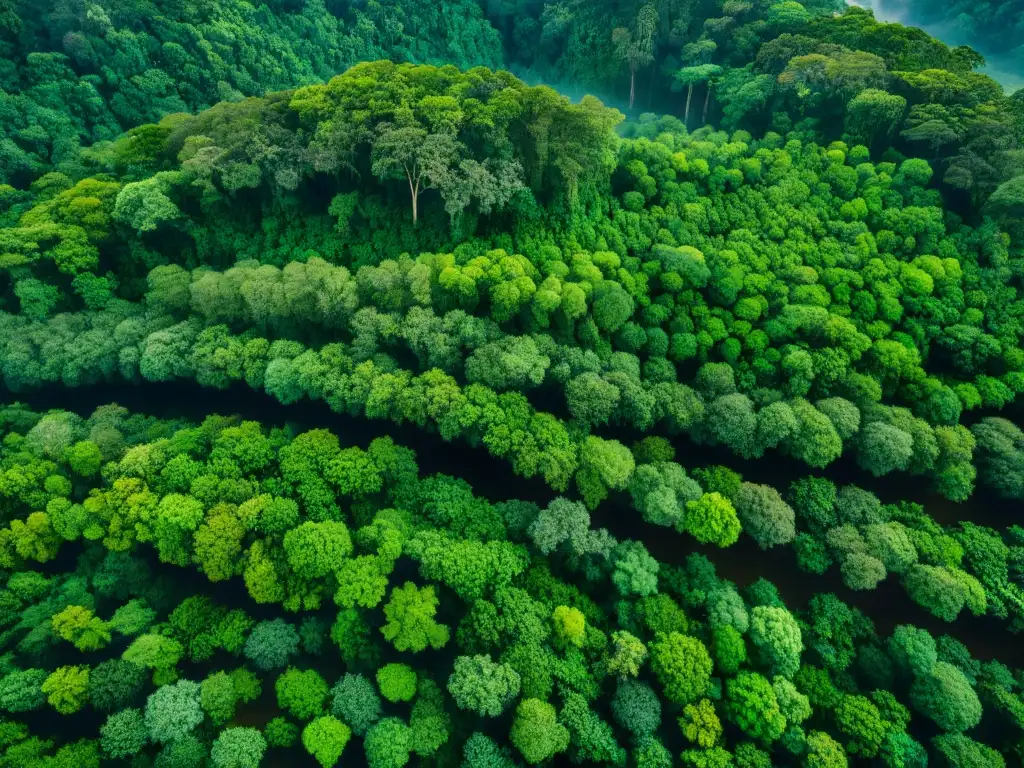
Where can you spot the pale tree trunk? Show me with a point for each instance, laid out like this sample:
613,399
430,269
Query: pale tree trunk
686,114
414,191
632,87
707,101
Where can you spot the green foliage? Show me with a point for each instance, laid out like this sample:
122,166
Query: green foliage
124,734
238,748
388,744
173,711
410,619
114,684
271,643
397,682
21,690
682,665
824,752
627,654
959,751
66,688
712,520
776,636
325,738
636,707
536,733
355,702
861,722
752,705
480,685
945,695
218,697
280,733
700,724
301,693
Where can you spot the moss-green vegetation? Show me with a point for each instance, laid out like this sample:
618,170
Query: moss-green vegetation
811,260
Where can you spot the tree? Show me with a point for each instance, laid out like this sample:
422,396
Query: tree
635,47
682,665
513,362
728,648
1006,205
280,733
217,543
144,205
777,638
186,751
936,133
84,458
900,749
591,399
712,520
161,654
651,753
824,752
388,744
113,685
21,690
177,518
325,739
794,705
316,549
356,703
627,655
700,724
410,619
124,734
913,650
218,698
238,748
636,572
751,704
301,693
132,618
939,590
66,688
561,521
883,448
958,751
945,695
636,708
592,739
861,571
37,298
426,160
479,751
861,722
765,516
352,635
536,732
691,76
874,113
173,711
271,644
429,720
603,465
397,682
480,685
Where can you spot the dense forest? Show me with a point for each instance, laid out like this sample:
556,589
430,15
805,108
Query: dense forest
993,27
672,425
